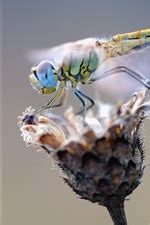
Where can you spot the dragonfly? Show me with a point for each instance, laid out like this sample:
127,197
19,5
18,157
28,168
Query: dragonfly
87,61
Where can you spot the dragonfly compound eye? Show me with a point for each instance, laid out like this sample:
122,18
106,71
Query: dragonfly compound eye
43,79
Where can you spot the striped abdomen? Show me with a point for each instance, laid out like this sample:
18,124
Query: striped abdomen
123,43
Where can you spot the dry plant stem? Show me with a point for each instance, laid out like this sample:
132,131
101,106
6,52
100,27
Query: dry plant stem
117,213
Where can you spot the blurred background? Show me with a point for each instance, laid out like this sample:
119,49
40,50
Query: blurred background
33,192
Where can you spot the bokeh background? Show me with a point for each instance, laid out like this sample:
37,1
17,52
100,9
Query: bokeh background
33,193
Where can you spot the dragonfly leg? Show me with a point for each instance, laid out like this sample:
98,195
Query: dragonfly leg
92,103
82,101
81,97
50,104
139,77
63,95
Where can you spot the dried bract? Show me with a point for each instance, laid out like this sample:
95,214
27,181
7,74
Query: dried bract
101,157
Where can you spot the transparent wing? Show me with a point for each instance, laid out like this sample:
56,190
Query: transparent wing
61,54
55,54
121,84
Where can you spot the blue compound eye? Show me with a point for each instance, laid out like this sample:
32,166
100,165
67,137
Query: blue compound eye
43,78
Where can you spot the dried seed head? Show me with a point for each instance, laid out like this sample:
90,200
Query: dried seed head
101,157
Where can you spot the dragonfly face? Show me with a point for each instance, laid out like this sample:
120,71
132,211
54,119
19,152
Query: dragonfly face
44,78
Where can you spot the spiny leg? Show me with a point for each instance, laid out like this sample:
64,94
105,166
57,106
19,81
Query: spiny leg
82,101
81,95
88,98
119,69
59,93
63,95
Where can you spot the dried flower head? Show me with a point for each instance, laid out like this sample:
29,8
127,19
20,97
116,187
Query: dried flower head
100,154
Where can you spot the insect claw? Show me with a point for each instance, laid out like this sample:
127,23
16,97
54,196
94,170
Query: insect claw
28,119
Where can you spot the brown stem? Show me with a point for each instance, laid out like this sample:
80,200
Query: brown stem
116,211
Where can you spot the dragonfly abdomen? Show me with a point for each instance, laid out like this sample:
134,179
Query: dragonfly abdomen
123,43
140,34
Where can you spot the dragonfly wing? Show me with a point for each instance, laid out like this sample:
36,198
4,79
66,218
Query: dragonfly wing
55,54
62,53
122,84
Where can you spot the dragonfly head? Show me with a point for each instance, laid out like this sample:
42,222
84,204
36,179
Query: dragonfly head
44,78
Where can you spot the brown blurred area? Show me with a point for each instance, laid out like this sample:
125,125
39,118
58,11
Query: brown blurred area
33,193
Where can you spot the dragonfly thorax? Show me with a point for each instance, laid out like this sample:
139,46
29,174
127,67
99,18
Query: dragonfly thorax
80,66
